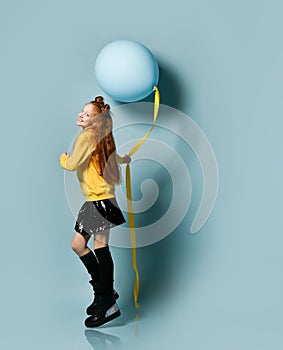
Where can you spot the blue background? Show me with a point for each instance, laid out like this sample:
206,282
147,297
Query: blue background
221,64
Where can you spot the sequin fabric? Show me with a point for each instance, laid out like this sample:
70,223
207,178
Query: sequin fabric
98,216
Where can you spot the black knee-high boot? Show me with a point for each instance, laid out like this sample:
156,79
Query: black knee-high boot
90,262
106,308
92,265
106,270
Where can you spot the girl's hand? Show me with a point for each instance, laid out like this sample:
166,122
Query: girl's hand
65,154
127,159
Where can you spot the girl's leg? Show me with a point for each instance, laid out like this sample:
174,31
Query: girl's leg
106,265
101,239
79,245
106,309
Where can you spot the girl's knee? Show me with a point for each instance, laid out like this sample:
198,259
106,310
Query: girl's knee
78,244
75,246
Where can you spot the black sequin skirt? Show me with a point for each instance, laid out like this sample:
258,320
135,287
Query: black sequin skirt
98,216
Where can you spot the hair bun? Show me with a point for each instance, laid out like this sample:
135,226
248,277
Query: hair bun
99,99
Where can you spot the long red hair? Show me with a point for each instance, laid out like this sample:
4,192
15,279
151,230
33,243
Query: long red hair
105,150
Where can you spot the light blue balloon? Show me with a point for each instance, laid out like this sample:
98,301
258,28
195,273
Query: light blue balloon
126,70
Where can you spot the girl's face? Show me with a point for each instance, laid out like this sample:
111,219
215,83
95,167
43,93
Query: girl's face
87,115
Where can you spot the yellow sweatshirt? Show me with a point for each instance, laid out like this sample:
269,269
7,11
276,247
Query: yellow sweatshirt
93,186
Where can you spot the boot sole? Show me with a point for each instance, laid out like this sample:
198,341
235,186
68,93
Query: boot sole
103,320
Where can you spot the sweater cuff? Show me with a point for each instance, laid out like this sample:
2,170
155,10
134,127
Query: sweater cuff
63,160
119,159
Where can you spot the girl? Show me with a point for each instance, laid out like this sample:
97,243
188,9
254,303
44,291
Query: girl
95,160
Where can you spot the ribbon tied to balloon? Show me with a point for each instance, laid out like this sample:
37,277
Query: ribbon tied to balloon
127,71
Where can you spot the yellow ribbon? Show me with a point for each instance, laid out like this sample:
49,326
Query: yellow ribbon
129,197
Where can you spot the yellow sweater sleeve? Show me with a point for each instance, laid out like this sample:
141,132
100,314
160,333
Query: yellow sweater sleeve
119,159
82,150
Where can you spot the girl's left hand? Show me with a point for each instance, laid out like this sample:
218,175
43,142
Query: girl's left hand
127,159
